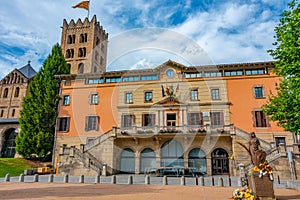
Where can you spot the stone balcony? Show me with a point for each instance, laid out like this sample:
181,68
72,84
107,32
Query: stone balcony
186,129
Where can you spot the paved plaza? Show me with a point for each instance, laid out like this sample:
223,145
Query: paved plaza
9,190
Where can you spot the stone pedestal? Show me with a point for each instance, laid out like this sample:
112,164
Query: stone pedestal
262,187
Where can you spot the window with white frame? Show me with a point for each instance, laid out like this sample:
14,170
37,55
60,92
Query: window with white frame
66,100
194,94
128,97
94,99
215,94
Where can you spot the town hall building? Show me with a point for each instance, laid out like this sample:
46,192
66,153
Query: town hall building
138,121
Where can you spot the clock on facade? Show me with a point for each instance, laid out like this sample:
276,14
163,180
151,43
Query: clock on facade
170,73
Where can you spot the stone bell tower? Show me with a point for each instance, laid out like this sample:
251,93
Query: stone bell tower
84,45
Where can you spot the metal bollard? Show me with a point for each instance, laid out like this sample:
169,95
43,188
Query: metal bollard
50,178
239,182
7,177
97,179
21,178
147,180
66,178
130,180
36,178
229,181
278,179
113,179
182,180
81,178
212,181
165,180
220,182
196,179
202,181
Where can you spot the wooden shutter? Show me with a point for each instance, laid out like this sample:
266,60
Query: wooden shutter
221,118
201,118
86,123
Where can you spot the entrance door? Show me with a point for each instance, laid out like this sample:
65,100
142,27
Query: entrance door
171,119
220,162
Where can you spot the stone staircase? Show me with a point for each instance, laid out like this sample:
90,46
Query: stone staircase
272,152
74,157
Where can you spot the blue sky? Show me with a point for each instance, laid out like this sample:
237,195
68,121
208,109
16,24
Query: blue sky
144,33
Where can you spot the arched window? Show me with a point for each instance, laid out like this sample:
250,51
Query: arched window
80,68
127,164
17,91
1,113
13,112
9,146
148,159
172,154
80,52
5,93
69,40
68,53
220,162
197,159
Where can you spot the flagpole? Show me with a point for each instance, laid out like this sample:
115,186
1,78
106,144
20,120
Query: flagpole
88,15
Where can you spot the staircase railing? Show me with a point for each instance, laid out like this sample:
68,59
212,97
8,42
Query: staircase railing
266,146
98,140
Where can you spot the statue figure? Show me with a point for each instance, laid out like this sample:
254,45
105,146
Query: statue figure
258,156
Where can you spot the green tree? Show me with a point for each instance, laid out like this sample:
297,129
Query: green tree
284,105
39,108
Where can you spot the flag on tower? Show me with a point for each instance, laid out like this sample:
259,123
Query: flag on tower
82,4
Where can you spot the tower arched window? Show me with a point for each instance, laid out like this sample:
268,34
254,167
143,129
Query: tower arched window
5,94
68,53
69,40
17,91
80,68
13,112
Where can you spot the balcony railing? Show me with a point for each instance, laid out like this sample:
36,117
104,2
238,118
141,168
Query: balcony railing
186,129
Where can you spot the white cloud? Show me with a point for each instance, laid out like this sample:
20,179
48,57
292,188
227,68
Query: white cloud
230,31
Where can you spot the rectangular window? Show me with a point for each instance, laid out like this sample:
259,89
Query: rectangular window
215,94
130,78
128,120
195,119
67,82
149,77
258,92
128,98
148,96
94,81
66,100
193,75
91,123
279,140
260,119
63,124
94,99
194,95
113,79
148,120
217,118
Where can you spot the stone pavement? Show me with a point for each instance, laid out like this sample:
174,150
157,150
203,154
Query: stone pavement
9,190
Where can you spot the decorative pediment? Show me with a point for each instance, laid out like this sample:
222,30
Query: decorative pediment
167,101
171,63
